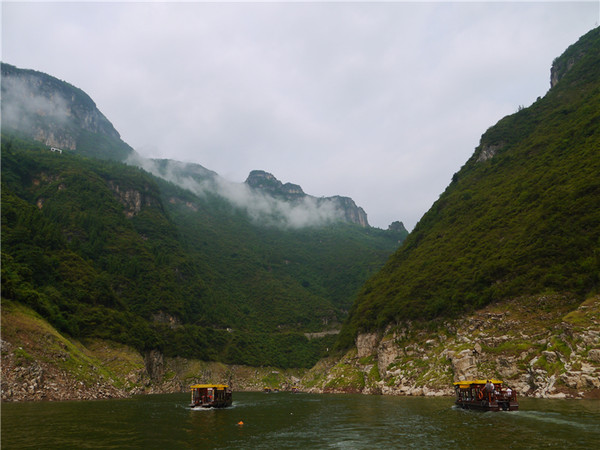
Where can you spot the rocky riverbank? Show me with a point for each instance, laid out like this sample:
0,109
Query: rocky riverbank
39,363
547,346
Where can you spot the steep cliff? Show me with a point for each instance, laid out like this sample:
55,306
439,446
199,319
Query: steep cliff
587,46
345,207
39,106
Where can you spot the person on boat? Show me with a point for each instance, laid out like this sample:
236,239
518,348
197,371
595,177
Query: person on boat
508,392
489,389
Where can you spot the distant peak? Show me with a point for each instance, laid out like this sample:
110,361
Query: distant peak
259,179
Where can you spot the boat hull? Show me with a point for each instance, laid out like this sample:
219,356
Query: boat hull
485,395
211,405
483,405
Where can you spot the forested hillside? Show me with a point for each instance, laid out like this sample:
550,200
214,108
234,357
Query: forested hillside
521,217
106,250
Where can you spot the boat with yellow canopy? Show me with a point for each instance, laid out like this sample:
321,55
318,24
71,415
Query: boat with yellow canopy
211,396
485,395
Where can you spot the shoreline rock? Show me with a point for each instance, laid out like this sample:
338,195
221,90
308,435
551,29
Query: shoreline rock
542,346
552,353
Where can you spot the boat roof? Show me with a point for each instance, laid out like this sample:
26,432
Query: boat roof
206,386
468,383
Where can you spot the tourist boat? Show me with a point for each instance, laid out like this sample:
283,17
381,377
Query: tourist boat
295,389
211,396
485,395
266,389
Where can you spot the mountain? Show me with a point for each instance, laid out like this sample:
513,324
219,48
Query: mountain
41,107
520,217
501,276
164,256
348,211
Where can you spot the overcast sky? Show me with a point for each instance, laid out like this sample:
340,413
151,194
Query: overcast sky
381,102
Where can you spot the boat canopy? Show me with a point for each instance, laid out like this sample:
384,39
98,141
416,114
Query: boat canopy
468,383
209,386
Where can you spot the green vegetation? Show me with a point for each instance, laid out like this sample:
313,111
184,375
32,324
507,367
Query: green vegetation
586,315
523,221
107,251
27,330
346,377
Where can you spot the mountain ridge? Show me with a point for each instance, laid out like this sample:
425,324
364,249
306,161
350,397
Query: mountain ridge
267,182
58,114
164,256
518,218
41,107
501,276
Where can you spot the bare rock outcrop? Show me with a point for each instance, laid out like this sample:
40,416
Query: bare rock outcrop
49,110
545,346
347,209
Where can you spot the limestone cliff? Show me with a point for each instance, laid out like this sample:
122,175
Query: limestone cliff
587,45
545,346
58,114
259,179
133,199
267,183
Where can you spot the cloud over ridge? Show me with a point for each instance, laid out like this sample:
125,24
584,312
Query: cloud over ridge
262,208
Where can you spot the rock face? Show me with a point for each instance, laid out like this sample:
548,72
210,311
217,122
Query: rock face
488,151
132,199
266,182
587,45
38,363
259,179
352,213
53,112
545,346
541,347
155,366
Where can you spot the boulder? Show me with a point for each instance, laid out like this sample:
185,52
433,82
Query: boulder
366,344
464,365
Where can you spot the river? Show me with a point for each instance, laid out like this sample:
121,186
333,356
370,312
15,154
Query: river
304,421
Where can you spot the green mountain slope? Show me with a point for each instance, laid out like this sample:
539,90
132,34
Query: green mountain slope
106,250
522,216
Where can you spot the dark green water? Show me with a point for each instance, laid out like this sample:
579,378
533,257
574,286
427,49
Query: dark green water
284,420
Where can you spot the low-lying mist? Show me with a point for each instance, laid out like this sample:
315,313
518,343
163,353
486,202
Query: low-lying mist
23,101
262,208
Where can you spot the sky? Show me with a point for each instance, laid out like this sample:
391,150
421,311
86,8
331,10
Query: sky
378,101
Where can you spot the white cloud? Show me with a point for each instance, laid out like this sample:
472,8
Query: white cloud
381,102
261,208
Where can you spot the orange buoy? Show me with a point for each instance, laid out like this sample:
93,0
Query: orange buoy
240,423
